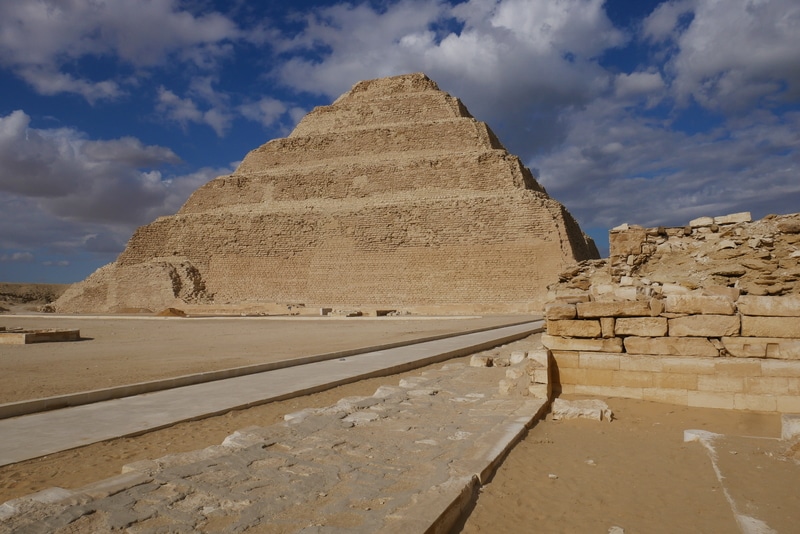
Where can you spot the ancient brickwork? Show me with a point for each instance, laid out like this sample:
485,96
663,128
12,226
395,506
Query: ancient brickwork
677,335
392,196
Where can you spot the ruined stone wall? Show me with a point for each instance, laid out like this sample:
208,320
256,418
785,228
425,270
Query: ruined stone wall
693,331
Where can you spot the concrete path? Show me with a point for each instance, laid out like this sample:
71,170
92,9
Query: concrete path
410,458
35,435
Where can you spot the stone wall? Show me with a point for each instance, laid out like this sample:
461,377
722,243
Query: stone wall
684,340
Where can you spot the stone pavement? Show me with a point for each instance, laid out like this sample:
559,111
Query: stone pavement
44,433
407,459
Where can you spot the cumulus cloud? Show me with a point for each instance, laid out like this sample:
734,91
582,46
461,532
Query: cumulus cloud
515,63
66,191
730,55
38,38
185,111
616,167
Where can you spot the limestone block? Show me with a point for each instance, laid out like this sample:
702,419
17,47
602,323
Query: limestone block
574,328
540,356
558,310
478,360
569,375
789,403
666,396
755,403
722,291
587,409
694,366
633,379
656,306
734,218
565,358
641,326
721,384
582,344
737,367
514,373
599,377
767,385
607,327
674,289
540,391
788,306
671,346
684,381
790,426
762,347
598,360
783,327
541,376
632,362
587,310
699,304
704,326
627,242
701,222
517,356
780,368
707,399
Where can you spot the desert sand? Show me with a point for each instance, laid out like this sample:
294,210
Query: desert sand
129,350
635,472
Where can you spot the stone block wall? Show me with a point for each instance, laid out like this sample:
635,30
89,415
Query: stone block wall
691,348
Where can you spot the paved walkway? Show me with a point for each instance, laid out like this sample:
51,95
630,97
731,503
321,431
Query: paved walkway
44,433
410,458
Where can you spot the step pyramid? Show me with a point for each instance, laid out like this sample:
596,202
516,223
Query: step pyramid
392,196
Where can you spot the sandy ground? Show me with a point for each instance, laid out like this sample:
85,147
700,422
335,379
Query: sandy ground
635,472
118,351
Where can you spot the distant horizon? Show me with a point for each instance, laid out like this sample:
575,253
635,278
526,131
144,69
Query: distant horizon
644,112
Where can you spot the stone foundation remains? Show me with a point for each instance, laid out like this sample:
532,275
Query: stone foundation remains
707,315
393,196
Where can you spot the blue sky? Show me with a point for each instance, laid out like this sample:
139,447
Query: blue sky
638,111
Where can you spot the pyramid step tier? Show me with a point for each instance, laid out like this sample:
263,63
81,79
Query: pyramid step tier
456,135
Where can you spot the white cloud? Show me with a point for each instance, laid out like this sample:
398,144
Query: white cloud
17,256
68,180
38,38
638,83
266,111
616,167
515,63
663,22
186,110
732,55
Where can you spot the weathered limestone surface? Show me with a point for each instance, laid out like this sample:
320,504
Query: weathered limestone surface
762,347
769,306
704,326
390,462
671,346
641,326
771,326
393,195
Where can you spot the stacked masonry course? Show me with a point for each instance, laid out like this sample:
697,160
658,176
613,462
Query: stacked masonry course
391,196
685,331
